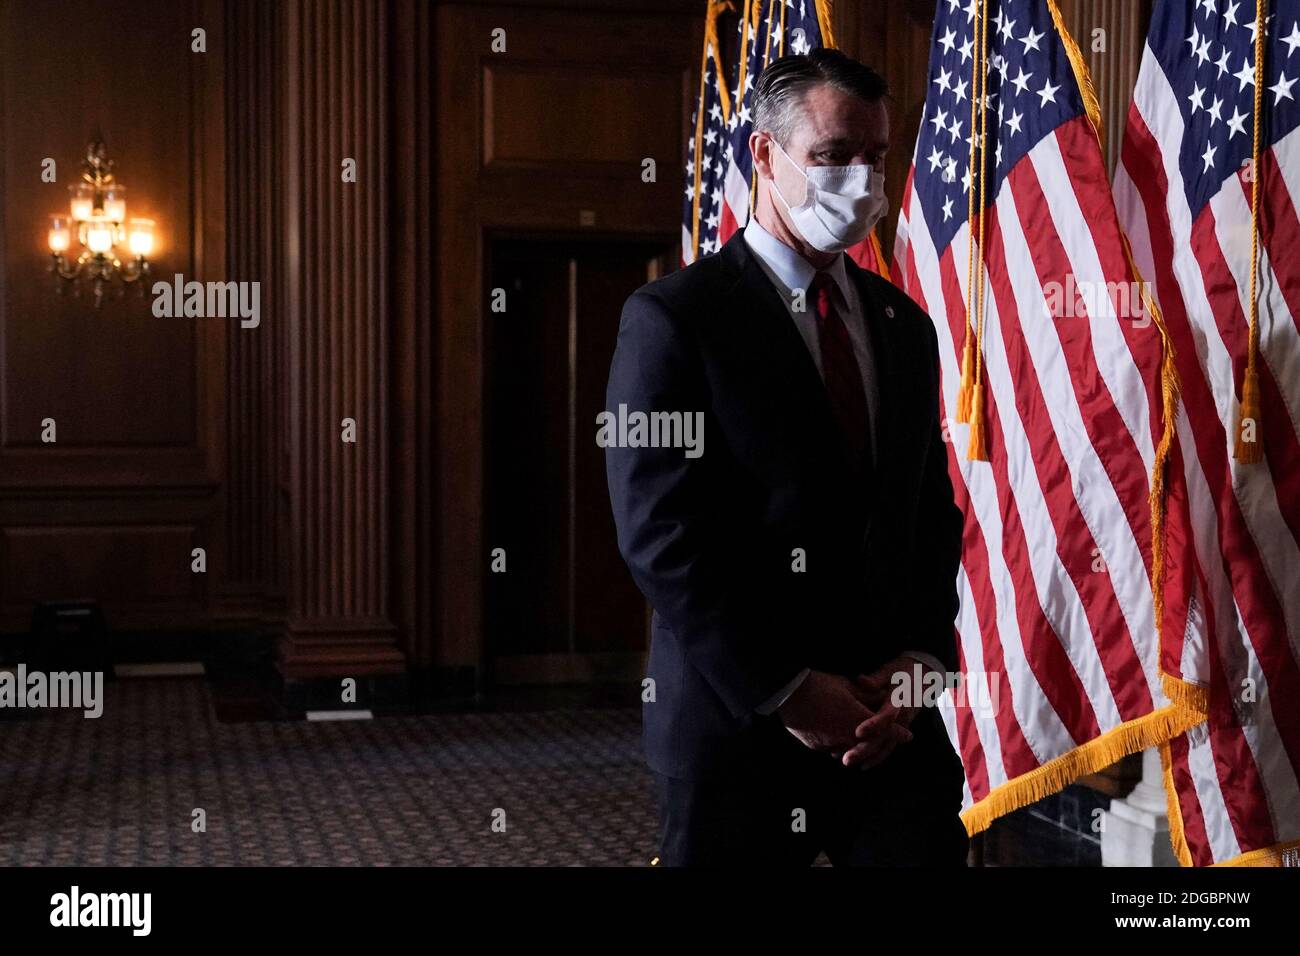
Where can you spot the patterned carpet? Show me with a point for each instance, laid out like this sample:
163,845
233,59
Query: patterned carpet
420,790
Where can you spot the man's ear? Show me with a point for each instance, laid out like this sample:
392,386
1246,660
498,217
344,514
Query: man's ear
760,147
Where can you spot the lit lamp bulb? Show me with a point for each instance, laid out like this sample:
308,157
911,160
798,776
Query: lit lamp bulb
115,204
99,237
83,202
60,236
140,237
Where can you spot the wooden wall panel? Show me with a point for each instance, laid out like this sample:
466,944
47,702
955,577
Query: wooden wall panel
523,128
134,562
63,77
136,399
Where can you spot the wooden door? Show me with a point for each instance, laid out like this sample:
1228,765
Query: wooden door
564,608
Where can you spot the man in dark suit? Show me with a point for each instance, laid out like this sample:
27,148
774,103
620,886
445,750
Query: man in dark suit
804,565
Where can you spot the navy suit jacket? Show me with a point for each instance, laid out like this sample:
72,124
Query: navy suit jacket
714,542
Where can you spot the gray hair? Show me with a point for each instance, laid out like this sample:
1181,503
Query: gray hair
780,88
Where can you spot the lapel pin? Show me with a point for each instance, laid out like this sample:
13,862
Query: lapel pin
889,311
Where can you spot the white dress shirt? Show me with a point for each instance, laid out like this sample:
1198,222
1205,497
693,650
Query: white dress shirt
790,273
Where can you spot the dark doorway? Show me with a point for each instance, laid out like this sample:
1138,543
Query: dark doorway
565,609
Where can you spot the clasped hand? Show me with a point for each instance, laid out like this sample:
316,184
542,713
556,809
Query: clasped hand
854,720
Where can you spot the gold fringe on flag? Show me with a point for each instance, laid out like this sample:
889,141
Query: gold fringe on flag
1264,856
716,8
1188,701
1183,693
1189,695
1082,75
881,264
1142,733
1194,698
824,23
1177,835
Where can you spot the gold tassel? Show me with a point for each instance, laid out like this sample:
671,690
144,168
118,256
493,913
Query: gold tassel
967,385
1173,809
1248,449
1150,730
978,450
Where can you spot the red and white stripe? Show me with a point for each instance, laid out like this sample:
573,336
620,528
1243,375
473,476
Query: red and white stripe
1237,780
1056,602
735,203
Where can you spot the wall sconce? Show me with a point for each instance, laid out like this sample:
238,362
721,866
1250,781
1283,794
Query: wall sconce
98,232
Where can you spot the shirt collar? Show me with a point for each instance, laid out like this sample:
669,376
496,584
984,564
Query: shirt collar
792,269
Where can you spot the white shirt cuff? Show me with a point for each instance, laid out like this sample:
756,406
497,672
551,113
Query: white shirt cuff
928,660
780,697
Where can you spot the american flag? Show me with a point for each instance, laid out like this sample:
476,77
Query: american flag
1056,627
1184,193
719,166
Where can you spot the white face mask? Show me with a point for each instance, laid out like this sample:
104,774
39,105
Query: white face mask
841,204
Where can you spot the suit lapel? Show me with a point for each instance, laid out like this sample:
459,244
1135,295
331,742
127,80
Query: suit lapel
884,334
763,319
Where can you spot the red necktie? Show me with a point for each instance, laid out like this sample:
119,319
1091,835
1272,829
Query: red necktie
840,371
